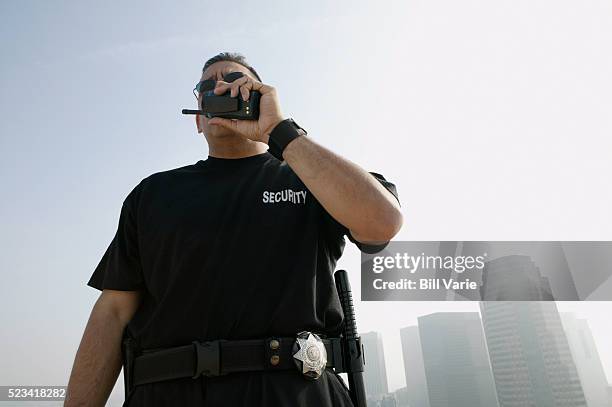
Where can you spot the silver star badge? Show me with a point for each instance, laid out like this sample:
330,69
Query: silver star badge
311,353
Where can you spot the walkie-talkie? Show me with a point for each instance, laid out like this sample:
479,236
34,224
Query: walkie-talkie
224,105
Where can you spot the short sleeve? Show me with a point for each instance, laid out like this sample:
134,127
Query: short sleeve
336,228
120,266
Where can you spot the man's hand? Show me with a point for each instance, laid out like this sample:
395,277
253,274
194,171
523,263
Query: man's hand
269,109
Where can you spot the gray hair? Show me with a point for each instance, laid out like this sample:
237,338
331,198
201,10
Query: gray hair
233,57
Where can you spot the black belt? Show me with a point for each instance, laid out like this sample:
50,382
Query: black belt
220,357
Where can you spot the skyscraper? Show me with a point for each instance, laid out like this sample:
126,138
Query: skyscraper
414,368
586,357
516,278
530,356
550,259
456,362
375,374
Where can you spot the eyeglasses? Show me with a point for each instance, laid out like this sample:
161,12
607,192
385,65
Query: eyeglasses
209,84
203,86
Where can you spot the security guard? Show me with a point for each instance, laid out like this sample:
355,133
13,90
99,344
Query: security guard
221,272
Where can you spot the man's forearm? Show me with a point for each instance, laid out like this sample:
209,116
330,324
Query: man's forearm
98,361
350,194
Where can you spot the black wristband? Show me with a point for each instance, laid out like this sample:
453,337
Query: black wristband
283,133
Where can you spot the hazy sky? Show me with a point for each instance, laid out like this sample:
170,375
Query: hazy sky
492,118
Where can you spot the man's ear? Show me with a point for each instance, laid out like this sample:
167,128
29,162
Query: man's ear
197,119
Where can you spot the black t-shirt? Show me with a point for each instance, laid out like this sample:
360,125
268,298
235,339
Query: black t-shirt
226,249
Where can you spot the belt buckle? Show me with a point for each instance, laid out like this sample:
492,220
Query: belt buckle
309,355
208,358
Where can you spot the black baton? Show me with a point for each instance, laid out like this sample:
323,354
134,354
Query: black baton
352,349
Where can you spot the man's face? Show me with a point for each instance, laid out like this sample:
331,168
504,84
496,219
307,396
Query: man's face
217,71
